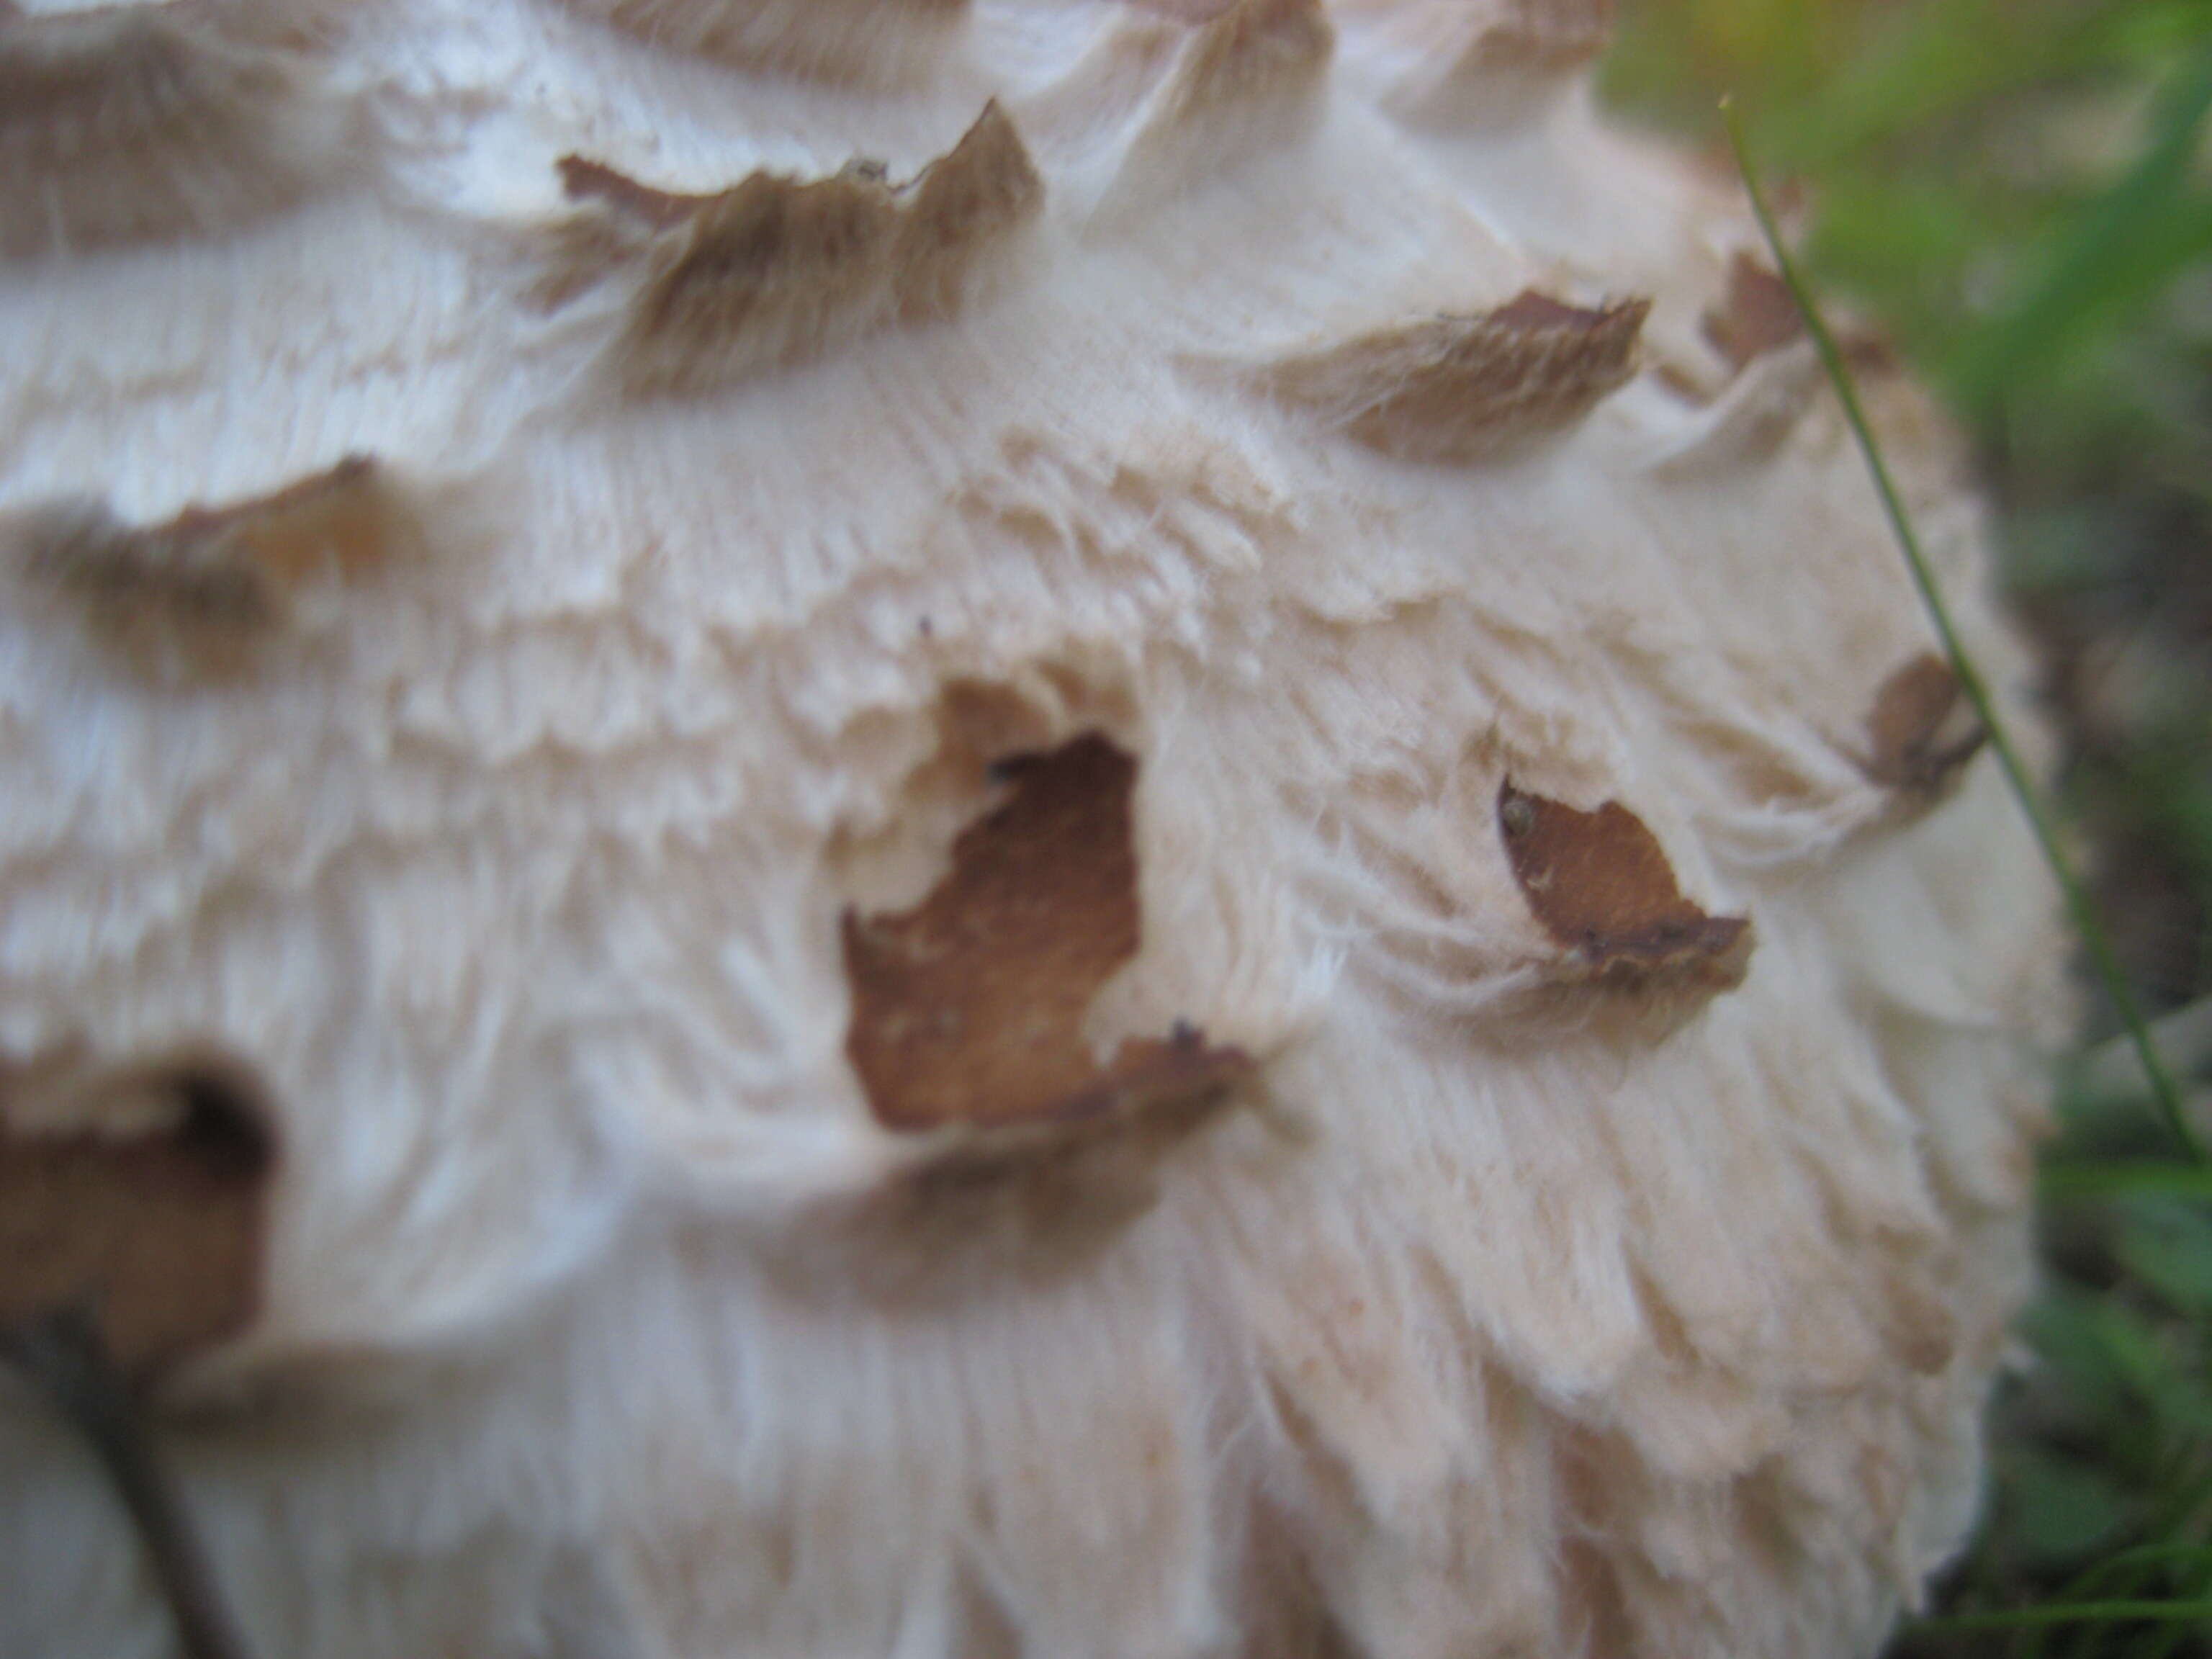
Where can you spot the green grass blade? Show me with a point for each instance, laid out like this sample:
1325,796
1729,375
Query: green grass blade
2143,231
2069,1612
2127,1180
1926,66
2086,921
2131,1565
64,1354
2141,1555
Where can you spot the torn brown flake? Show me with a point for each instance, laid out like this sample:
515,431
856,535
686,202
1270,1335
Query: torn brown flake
137,1193
1756,315
1245,80
965,204
1601,886
207,582
1771,376
1759,314
969,1009
583,179
1490,62
123,122
1922,730
1552,34
1188,11
765,275
1461,388
878,42
775,270
1251,51
343,520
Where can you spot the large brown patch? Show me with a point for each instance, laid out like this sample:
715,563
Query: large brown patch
138,1194
968,1010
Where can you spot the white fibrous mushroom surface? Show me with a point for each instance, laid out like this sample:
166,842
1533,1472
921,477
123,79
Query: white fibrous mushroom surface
927,829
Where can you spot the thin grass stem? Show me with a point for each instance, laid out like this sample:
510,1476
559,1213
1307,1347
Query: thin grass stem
2125,1178
2074,1613
62,1353
2087,924
2135,1565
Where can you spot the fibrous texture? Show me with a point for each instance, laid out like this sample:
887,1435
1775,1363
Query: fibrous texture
124,122
1045,829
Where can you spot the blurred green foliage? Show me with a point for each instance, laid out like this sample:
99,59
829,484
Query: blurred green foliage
2021,192
2016,188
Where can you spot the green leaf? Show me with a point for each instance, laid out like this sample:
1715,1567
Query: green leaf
2055,1510
2117,1376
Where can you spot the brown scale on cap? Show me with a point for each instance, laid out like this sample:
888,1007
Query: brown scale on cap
1758,315
1601,885
1485,62
1553,34
982,191
968,1010
1769,377
1460,388
1252,50
1245,79
1755,316
130,121
137,1194
775,270
765,275
877,41
1922,730
1188,11
583,180
209,582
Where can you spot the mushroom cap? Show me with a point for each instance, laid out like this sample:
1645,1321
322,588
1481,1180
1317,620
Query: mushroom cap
1053,828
